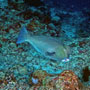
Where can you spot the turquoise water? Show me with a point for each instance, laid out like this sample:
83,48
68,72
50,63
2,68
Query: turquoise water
19,61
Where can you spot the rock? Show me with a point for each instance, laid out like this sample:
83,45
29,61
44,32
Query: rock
84,29
55,18
52,26
3,3
64,81
22,70
2,75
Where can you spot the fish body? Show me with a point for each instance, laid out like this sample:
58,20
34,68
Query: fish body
47,46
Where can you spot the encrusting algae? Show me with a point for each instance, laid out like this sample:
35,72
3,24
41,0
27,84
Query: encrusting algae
66,80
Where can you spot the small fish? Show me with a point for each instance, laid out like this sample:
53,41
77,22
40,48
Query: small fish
48,46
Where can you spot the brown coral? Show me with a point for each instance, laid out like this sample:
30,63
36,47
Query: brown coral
40,75
67,80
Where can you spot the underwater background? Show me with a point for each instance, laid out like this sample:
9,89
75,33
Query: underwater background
22,67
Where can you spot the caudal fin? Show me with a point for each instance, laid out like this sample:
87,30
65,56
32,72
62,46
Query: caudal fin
22,36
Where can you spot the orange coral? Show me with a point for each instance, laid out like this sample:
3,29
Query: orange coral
67,80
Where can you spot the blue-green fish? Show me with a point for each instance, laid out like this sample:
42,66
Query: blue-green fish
48,46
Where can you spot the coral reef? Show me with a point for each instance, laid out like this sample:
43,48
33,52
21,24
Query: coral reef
66,80
21,67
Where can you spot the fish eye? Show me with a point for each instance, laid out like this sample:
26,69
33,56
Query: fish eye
50,53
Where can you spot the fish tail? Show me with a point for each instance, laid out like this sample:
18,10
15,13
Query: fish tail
23,36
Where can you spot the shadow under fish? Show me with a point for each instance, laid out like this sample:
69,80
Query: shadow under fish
49,47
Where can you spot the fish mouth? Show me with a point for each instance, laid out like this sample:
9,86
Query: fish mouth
66,60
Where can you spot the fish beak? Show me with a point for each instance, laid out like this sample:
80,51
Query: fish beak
66,60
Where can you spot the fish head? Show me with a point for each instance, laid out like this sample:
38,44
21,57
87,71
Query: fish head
59,53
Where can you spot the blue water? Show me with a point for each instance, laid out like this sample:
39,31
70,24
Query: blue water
68,20
75,5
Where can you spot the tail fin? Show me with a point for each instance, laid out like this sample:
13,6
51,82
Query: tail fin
22,35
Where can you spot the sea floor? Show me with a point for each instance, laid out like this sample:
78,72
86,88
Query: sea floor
19,61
